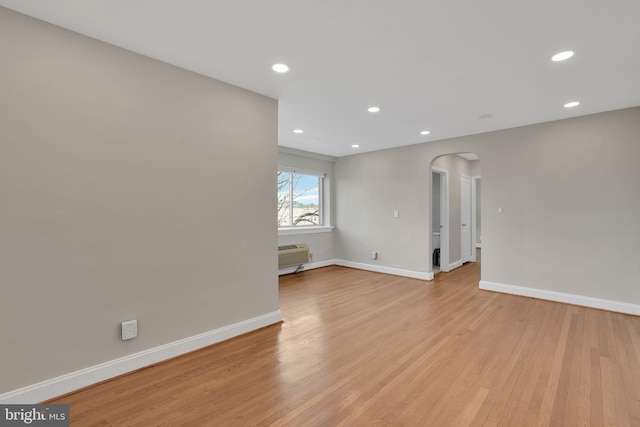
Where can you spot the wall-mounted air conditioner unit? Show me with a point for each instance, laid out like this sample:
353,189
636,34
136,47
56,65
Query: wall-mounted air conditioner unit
293,255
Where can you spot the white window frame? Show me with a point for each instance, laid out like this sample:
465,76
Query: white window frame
306,229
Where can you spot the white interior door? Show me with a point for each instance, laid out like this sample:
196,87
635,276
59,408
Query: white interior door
465,216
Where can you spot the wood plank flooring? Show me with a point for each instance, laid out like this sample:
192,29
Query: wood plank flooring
364,349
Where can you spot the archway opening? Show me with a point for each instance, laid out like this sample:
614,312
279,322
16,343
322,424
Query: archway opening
456,221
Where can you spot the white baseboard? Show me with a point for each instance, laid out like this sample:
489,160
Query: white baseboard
422,275
602,304
309,266
455,265
85,377
362,266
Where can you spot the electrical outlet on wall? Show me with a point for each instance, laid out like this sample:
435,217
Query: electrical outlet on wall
129,329
374,255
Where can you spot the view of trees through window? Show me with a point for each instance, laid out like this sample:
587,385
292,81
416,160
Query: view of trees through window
298,199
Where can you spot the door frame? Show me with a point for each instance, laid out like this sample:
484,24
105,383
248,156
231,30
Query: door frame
471,239
474,214
444,220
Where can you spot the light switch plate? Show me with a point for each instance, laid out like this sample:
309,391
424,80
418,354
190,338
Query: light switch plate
129,329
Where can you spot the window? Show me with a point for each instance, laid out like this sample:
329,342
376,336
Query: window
299,198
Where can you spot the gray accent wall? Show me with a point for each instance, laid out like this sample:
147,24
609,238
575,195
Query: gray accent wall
129,188
556,182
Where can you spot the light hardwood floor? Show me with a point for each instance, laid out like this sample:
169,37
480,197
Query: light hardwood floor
364,349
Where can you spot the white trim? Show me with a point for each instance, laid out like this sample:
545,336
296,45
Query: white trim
309,266
455,265
602,304
312,229
291,173
467,178
474,214
478,246
299,171
444,218
422,275
426,275
85,377
309,154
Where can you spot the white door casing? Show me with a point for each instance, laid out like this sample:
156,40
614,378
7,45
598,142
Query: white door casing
475,214
444,218
465,216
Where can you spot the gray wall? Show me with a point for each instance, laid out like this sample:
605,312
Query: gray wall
474,168
557,182
369,187
129,189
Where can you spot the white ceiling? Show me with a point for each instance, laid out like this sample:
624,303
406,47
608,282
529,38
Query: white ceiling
455,67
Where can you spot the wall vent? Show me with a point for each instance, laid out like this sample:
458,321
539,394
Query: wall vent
293,255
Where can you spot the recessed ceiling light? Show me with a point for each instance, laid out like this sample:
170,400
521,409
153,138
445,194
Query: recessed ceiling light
562,56
425,132
355,146
298,131
373,109
280,68
571,104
